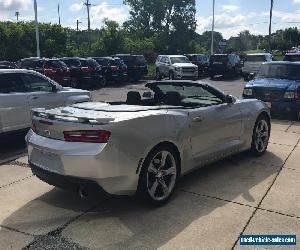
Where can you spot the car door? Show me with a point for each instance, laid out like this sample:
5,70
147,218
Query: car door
41,92
215,131
14,106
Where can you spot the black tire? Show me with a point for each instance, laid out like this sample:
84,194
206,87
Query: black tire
158,75
103,82
171,75
296,116
146,177
74,83
212,76
264,134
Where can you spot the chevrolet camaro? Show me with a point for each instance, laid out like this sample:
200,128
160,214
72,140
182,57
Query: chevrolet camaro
144,145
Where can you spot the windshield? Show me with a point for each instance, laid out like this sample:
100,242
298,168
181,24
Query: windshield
179,59
72,62
56,64
256,58
197,95
280,71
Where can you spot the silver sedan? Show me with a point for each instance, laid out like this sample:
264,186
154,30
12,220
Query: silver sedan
142,146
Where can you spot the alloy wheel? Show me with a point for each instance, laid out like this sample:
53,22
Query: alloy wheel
161,175
261,135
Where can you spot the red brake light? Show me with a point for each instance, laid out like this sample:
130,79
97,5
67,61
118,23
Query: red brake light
114,68
92,136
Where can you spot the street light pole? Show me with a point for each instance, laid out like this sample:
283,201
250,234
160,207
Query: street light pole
270,25
37,36
212,30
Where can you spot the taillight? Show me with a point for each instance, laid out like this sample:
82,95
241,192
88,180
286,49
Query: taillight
85,69
114,68
92,136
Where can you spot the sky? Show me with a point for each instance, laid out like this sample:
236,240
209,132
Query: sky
231,16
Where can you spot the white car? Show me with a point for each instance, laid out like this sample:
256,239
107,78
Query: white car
22,90
175,67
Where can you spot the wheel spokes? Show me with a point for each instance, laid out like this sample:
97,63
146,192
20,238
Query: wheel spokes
154,187
165,188
152,169
164,156
170,171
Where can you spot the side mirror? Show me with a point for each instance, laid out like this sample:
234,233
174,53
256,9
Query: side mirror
147,94
251,76
54,88
229,99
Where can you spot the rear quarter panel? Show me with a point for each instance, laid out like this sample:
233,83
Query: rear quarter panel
133,139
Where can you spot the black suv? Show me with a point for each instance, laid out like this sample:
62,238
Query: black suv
83,73
113,69
52,68
201,60
225,64
137,66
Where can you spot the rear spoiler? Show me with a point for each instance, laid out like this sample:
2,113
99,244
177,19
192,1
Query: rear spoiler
68,117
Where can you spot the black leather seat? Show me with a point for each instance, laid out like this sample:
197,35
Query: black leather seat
173,98
133,98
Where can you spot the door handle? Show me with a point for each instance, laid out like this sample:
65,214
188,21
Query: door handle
34,97
198,119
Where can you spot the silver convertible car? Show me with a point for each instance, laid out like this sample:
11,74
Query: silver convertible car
142,146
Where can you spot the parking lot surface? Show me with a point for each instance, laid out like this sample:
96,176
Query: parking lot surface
209,210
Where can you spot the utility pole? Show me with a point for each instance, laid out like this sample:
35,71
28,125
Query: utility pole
17,14
37,35
212,30
58,14
77,25
270,25
88,5
77,29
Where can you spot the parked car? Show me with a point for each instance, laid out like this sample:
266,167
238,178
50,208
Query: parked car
253,63
96,70
175,67
201,60
52,68
278,84
224,64
84,75
113,69
7,65
292,56
142,146
21,90
137,66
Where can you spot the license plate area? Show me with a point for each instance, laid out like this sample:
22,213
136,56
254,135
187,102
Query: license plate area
46,160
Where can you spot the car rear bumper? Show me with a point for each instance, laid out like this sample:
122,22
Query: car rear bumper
70,183
99,163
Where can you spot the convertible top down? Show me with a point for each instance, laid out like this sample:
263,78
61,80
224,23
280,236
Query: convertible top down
142,146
